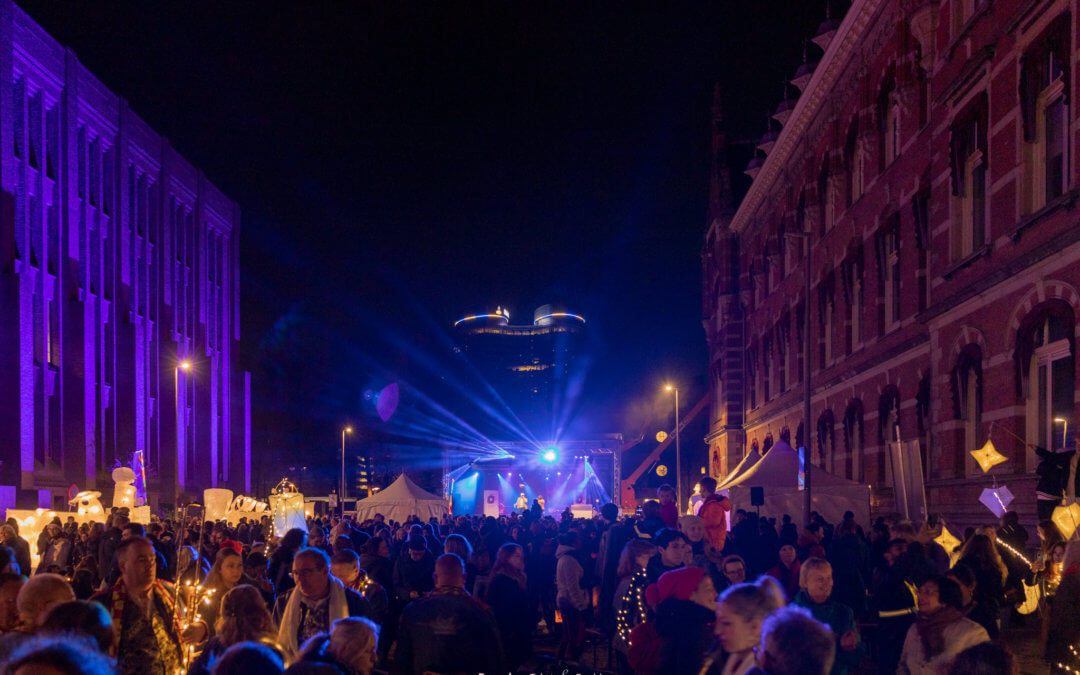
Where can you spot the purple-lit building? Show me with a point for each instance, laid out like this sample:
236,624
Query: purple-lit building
118,263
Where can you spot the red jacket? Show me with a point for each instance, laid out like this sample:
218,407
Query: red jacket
714,512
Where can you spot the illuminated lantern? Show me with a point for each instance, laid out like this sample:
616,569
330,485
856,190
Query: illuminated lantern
288,512
124,494
988,457
87,502
1067,519
946,540
217,503
997,499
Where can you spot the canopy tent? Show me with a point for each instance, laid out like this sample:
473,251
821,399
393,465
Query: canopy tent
401,499
777,474
742,467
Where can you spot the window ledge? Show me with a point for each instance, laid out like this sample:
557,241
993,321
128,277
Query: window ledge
1066,200
964,262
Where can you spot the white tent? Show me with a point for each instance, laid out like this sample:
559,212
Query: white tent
777,474
742,467
401,499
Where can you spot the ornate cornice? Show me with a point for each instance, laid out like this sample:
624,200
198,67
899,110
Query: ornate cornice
834,63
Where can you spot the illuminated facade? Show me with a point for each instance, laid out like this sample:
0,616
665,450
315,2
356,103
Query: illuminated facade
530,366
930,157
118,262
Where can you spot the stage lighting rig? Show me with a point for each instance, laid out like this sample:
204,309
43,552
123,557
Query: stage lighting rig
550,455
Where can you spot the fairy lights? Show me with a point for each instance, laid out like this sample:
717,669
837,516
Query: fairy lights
630,616
189,614
1015,552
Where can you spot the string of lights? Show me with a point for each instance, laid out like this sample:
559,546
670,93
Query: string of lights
633,599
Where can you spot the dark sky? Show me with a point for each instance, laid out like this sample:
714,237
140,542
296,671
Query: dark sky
400,164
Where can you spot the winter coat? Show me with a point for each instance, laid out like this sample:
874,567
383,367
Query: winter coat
1064,618
788,578
959,635
840,618
507,599
447,632
568,576
411,575
685,629
1053,471
850,559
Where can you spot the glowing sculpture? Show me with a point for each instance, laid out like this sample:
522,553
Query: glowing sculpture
217,502
988,457
87,502
124,494
997,499
245,507
1067,519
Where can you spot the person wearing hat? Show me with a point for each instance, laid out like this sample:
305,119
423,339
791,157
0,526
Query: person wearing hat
675,639
413,570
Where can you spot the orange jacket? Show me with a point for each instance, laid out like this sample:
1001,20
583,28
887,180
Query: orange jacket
714,512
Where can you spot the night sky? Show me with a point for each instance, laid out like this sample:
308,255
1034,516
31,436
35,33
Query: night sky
399,165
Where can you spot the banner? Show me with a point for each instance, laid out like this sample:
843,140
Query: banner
908,486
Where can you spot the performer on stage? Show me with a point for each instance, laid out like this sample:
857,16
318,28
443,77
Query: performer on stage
522,503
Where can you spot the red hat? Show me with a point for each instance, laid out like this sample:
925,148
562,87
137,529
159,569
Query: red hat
233,544
679,584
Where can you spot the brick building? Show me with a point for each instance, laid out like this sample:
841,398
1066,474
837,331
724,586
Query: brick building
929,157
118,263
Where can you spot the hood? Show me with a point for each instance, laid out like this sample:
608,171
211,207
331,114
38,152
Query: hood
563,550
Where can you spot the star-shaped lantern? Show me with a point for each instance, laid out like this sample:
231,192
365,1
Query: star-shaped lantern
987,456
997,499
947,541
1067,519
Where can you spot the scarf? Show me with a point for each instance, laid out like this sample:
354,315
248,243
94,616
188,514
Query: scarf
120,596
290,618
931,629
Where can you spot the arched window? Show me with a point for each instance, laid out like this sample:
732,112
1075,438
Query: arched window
825,441
1046,355
853,440
888,424
967,400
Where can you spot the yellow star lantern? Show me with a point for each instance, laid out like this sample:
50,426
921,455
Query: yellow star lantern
947,541
1067,519
987,456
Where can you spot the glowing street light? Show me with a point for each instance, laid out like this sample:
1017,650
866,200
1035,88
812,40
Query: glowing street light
678,452
346,430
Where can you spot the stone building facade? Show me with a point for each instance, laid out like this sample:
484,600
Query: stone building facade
929,157
118,264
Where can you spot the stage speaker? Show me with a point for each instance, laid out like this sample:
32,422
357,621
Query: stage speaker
757,496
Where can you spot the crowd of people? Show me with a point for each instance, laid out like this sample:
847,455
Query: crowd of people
659,591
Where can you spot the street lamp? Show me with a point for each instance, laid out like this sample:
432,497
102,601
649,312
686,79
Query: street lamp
678,452
346,430
181,428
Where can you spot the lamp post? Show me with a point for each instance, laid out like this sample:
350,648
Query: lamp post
346,430
806,463
678,452
181,435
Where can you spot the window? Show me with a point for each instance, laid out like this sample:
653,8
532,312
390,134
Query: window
888,428
888,254
888,114
1051,378
853,164
853,440
825,441
852,276
751,375
766,367
1044,106
967,397
969,162
825,199
825,321
784,350
920,206
962,12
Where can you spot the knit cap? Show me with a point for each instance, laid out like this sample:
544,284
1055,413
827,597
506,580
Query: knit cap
679,584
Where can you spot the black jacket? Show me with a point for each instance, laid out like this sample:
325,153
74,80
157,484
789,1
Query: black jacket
448,632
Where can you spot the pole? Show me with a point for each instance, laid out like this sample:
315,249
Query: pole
807,464
341,493
678,456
